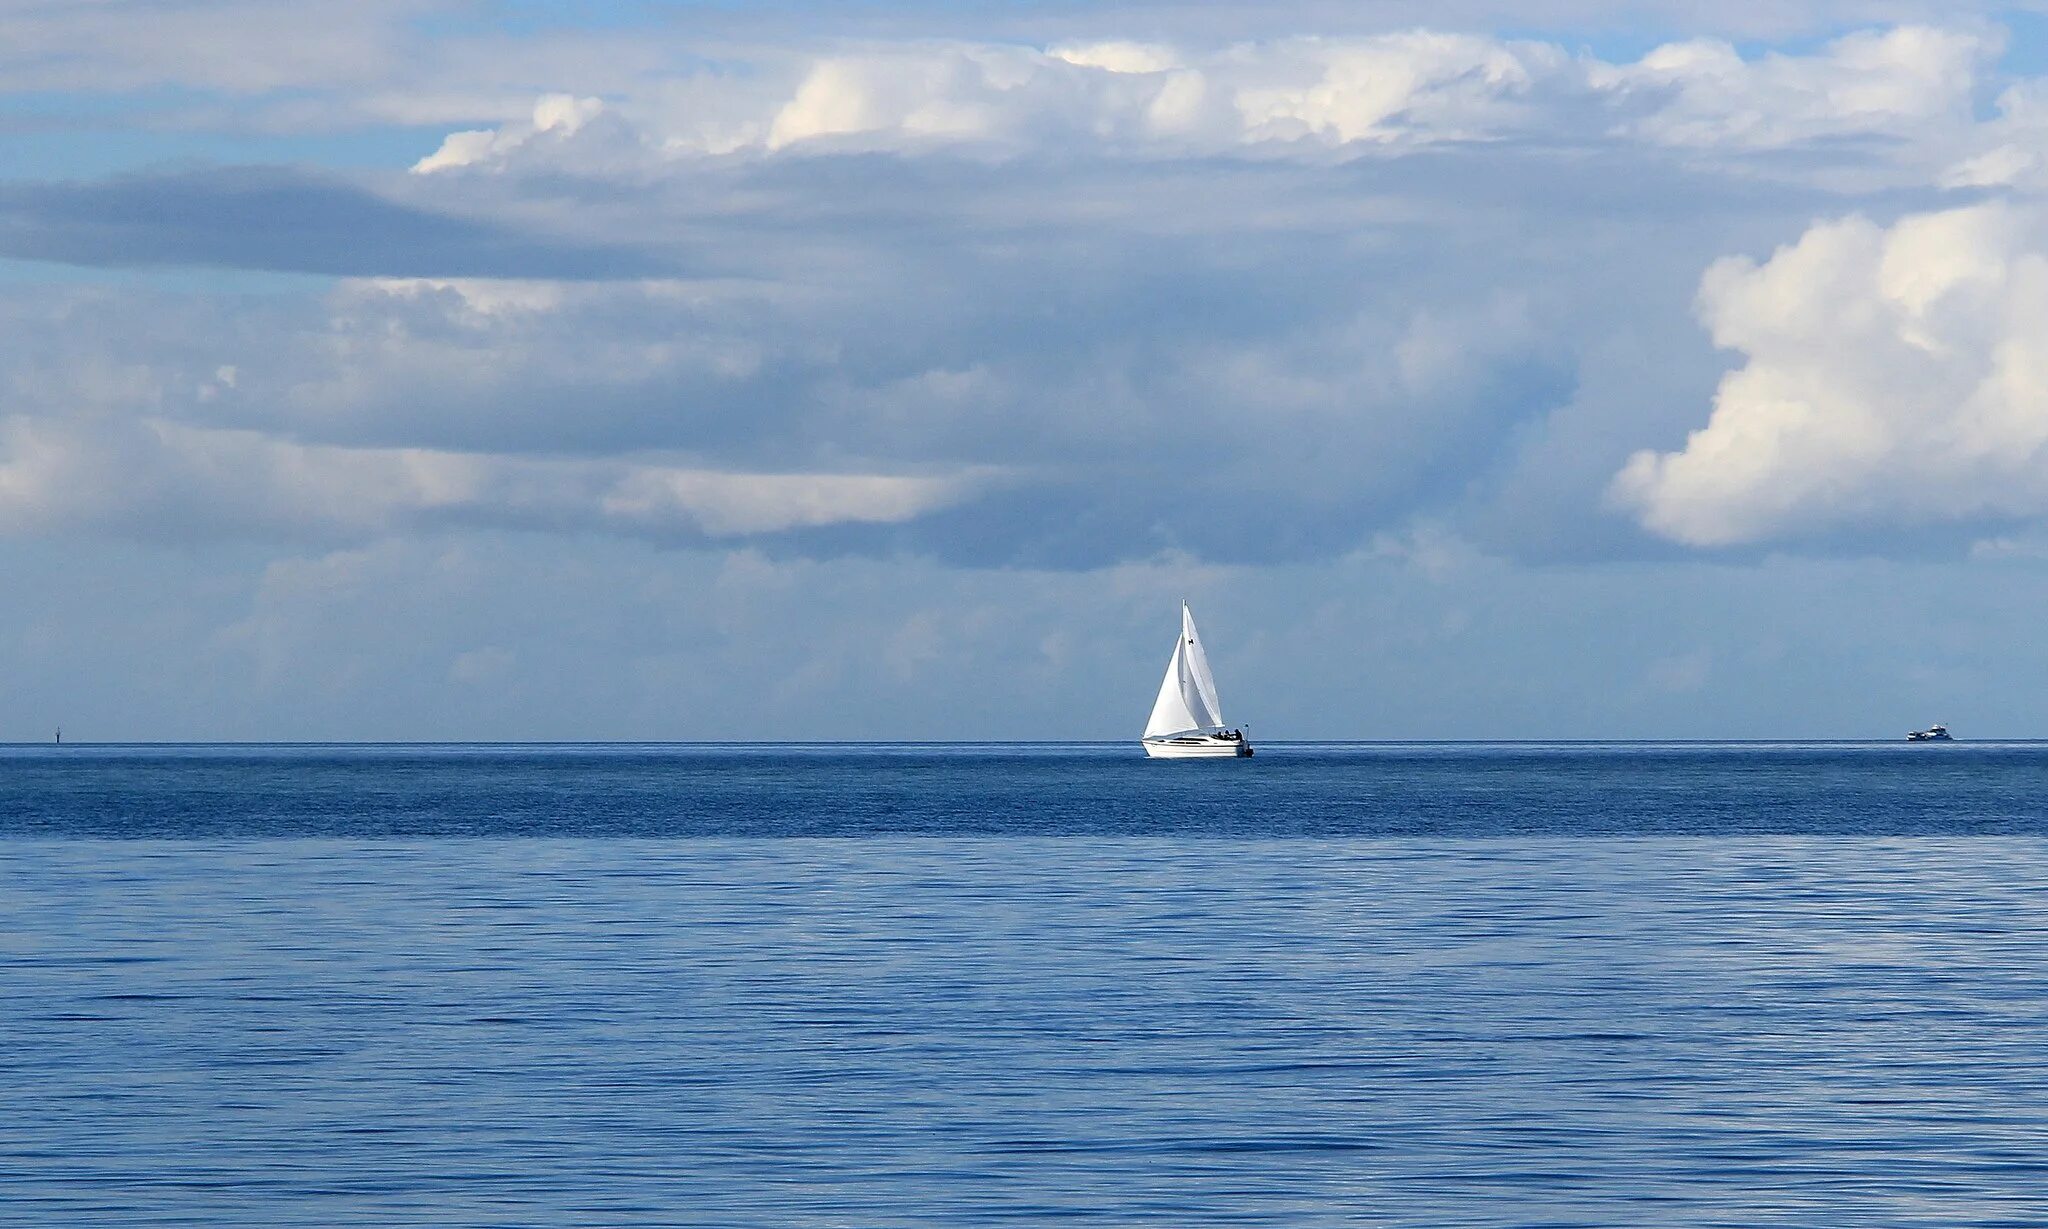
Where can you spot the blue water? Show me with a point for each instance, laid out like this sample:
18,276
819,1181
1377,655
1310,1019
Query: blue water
1458,789
1452,985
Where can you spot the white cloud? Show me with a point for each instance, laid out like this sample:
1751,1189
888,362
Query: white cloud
1895,82
1894,377
2011,150
556,116
1910,85
928,94
1120,56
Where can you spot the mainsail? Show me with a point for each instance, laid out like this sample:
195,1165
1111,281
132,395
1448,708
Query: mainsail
1187,697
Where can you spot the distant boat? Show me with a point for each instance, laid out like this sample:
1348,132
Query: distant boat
1932,734
1187,719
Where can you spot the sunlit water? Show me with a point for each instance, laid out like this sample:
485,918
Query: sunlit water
1356,986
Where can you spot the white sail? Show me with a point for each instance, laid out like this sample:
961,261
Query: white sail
1210,710
1187,695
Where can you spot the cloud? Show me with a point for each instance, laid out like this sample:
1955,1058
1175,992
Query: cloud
1889,83
1302,96
778,164
154,478
1247,301
555,116
954,424
284,220
2007,151
1060,405
1894,378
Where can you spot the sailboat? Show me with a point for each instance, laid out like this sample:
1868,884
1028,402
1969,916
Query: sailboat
1187,719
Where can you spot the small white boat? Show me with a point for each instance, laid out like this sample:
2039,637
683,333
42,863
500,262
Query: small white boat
1932,734
1187,719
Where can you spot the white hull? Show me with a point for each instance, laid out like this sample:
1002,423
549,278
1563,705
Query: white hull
1195,747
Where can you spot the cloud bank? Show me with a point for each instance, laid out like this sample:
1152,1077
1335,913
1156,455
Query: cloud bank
1073,303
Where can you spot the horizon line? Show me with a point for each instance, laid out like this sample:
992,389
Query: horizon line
978,742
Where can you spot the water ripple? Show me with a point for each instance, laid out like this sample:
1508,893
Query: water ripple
920,1031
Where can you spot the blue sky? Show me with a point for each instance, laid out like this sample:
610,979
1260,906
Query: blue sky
420,369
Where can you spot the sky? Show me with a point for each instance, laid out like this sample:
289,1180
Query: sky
454,369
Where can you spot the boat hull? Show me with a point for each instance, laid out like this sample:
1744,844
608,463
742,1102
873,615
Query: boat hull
1196,748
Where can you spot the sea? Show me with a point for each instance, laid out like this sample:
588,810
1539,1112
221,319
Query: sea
1737,984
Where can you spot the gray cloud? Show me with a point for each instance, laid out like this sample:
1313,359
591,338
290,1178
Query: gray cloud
279,219
1263,363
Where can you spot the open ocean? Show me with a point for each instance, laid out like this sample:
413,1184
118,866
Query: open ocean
1385,985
